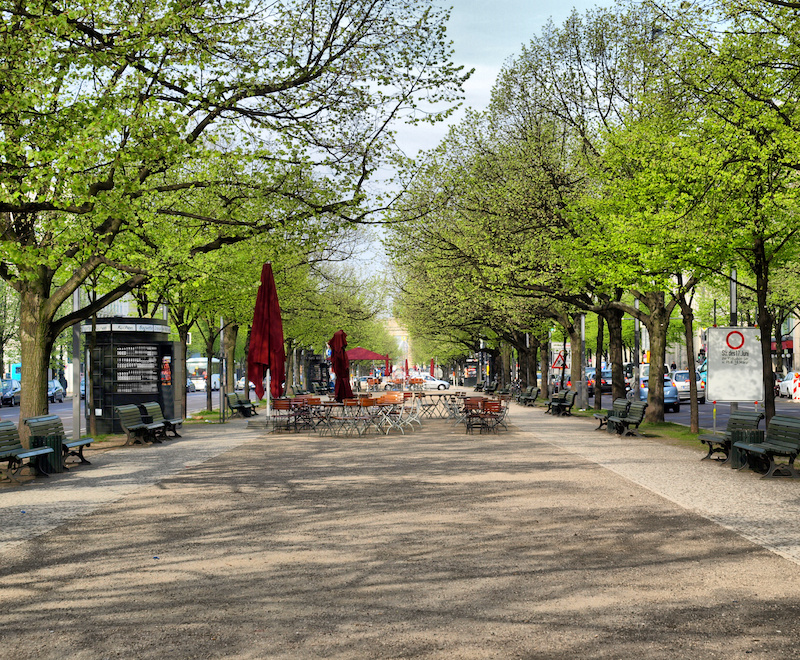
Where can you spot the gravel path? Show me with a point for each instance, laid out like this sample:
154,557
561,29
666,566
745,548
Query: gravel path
549,541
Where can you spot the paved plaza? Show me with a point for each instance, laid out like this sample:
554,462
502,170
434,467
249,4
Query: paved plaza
551,540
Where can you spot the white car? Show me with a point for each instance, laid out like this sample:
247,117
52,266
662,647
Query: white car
785,386
682,382
431,383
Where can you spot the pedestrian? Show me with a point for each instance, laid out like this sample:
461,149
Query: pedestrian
673,366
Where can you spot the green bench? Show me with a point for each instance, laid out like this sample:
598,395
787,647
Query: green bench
240,406
619,408
741,420
628,424
562,406
152,413
12,453
134,426
555,399
46,425
782,439
528,397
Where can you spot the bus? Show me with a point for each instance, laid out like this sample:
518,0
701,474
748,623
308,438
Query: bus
196,369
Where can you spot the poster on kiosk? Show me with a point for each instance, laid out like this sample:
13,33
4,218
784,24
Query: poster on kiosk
735,365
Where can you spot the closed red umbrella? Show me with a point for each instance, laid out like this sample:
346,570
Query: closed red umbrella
387,372
341,366
266,352
431,366
406,368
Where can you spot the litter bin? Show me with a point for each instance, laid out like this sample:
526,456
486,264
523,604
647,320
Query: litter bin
53,462
750,436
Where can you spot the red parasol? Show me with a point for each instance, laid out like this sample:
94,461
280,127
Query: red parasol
431,366
266,350
406,368
341,366
359,353
387,372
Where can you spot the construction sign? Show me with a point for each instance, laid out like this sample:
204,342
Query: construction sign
561,357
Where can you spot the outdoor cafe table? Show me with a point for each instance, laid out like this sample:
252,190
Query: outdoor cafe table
439,399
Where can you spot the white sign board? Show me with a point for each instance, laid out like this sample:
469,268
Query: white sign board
735,365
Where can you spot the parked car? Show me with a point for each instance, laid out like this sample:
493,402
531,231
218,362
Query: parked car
190,385
785,386
240,383
431,383
671,399
83,388
11,392
54,391
680,379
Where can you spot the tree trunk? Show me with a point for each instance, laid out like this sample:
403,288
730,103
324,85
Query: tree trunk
230,338
36,343
545,369
533,361
613,318
688,329
765,322
505,361
657,323
575,348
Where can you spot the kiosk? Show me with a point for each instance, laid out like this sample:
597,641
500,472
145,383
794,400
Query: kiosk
131,363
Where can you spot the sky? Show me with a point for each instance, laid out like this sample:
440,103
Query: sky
486,33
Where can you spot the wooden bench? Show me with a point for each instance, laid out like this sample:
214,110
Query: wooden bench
628,424
739,420
619,408
46,425
151,412
782,439
13,453
137,430
240,406
563,407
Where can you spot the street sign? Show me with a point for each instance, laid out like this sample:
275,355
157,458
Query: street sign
735,365
560,362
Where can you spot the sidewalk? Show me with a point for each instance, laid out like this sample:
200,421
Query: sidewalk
550,541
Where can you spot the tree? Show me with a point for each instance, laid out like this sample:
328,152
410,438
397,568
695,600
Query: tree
120,121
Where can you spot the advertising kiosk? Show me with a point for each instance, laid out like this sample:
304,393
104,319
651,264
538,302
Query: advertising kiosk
132,362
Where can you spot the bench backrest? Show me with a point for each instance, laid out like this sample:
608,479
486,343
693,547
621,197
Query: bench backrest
153,410
636,411
45,425
233,398
742,420
9,437
561,395
129,415
784,431
569,397
620,407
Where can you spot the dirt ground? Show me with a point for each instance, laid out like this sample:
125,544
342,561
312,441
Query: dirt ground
431,545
